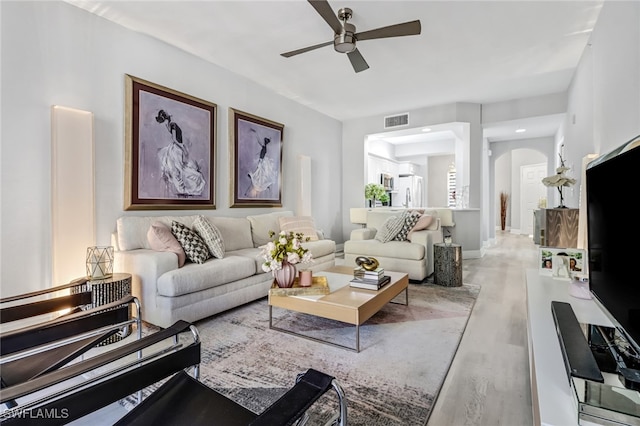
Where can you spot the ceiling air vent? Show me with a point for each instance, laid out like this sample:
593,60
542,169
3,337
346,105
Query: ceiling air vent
396,120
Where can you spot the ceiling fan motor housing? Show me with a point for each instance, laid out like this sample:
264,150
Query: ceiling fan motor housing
345,42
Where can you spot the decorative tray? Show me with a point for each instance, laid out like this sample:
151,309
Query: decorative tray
319,285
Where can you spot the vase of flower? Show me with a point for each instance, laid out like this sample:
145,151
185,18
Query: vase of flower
282,254
286,275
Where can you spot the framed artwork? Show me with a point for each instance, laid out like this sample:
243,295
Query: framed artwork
256,160
561,262
170,145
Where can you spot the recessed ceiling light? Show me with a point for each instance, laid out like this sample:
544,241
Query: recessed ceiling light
426,129
521,130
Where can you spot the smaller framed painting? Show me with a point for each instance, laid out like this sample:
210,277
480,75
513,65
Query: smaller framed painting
561,263
256,160
170,145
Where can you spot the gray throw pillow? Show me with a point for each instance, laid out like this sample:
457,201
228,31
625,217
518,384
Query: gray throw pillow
391,227
211,236
195,249
409,222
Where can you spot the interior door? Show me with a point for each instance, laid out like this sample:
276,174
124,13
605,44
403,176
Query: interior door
531,190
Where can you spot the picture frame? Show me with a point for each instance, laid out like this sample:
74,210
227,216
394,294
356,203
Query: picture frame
256,151
561,263
170,148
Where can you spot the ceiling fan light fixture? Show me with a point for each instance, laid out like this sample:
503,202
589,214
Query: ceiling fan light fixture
344,43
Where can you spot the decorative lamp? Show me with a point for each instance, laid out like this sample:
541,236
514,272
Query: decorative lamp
99,262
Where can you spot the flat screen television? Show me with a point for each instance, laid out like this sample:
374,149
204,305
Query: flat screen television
613,242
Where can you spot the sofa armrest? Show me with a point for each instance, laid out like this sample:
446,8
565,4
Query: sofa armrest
145,267
427,238
363,234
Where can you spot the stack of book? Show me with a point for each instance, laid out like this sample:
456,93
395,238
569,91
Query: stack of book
370,280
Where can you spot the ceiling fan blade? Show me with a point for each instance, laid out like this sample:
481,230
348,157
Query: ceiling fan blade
324,9
357,61
397,30
305,49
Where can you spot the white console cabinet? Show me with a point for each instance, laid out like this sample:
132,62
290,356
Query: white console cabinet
552,396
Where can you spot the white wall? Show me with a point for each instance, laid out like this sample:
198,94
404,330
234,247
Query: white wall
604,96
55,53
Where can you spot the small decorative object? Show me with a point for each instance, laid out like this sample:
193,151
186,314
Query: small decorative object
504,201
367,263
99,262
561,263
559,180
373,192
448,239
282,254
306,278
579,286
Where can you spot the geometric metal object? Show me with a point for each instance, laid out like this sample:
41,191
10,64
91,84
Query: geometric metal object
99,262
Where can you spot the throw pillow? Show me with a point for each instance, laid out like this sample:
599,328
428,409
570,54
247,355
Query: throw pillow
211,236
161,239
193,246
302,224
391,227
423,222
409,222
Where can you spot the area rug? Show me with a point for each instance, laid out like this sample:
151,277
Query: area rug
405,353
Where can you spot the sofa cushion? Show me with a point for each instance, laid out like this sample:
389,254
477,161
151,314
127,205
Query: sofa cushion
194,247
162,239
210,235
235,232
391,226
299,224
214,272
261,224
320,248
393,249
423,222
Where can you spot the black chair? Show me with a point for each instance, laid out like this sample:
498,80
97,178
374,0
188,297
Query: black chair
182,399
52,340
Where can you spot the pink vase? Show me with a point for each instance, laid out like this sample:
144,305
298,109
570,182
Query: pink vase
285,276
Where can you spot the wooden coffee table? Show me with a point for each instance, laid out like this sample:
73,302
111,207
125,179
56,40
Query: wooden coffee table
343,303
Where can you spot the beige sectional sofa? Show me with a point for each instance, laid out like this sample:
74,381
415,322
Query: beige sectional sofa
414,257
195,291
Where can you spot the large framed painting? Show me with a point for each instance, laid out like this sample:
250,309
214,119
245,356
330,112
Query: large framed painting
170,145
256,160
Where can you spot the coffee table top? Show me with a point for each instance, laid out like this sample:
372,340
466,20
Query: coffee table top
344,303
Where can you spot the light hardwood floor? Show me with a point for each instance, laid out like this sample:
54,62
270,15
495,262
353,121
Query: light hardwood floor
488,382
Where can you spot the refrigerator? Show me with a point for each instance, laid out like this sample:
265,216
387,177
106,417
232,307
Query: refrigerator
410,191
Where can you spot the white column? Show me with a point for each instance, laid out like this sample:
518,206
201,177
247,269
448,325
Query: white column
72,192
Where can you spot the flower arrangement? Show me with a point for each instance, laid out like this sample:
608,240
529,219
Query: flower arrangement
285,248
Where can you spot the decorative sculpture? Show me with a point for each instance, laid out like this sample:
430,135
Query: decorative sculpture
367,263
559,180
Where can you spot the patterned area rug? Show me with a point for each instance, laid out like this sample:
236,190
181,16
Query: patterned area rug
405,353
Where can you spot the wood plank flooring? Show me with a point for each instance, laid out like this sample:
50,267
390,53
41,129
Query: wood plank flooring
488,382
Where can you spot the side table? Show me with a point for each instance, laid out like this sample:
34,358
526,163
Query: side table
110,290
447,260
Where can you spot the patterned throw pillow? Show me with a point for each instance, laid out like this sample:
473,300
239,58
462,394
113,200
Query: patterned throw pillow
195,249
391,227
302,224
409,222
211,236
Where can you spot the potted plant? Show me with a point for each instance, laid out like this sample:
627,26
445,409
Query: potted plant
373,192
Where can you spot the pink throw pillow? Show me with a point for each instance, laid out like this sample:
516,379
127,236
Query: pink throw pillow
162,239
423,223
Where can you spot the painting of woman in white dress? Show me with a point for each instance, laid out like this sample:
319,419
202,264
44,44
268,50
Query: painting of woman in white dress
181,174
258,166
170,150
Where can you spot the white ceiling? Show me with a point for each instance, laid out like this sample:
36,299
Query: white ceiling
468,51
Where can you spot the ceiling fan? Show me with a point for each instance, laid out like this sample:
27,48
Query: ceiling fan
345,35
